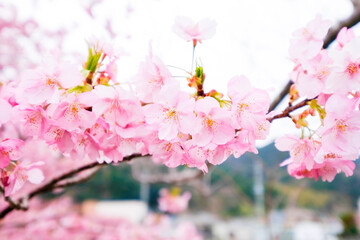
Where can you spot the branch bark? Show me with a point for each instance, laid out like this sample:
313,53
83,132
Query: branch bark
52,184
289,109
76,179
330,37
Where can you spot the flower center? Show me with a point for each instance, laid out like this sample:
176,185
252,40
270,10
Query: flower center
209,123
322,73
50,81
330,156
157,78
4,153
341,126
352,68
73,111
167,147
170,114
241,107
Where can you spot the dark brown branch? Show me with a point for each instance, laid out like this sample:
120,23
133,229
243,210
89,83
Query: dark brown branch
330,37
53,183
15,204
289,109
77,180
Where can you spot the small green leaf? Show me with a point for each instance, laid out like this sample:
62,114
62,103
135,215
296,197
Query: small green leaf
93,60
199,74
80,89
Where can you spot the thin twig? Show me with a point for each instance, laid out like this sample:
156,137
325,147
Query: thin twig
289,109
16,204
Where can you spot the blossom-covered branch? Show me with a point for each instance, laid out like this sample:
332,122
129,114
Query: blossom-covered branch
351,21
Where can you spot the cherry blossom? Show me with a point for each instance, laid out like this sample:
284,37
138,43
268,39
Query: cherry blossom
344,36
249,107
10,150
172,201
5,109
212,124
86,111
171,114
44,84
341,126
344,75
20,174
195,32
71,113
302,151
152,76
308,41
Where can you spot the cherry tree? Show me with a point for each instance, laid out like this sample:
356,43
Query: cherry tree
83,116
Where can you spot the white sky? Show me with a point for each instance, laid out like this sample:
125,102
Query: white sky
252,36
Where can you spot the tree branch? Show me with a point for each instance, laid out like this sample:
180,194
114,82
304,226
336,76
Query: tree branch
53,183
15,204
289,109
330,37
76,179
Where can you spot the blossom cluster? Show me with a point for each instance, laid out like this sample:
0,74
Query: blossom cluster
90,114
330,79
172,201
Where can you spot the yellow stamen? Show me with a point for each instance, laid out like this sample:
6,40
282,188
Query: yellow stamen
209,123
352,68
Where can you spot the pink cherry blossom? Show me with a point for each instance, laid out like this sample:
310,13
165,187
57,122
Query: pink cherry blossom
118,106
344,36
21,174
60,138
308,41
84,146
152,76
327,170
249,107
212,125
171,114
345,72
45,84
171,154
5,110
302,151
33,119
341,126
243,142
213,153
173,202
185,28
10,150
72,114
311,77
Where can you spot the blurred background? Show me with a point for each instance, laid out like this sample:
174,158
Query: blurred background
246,198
